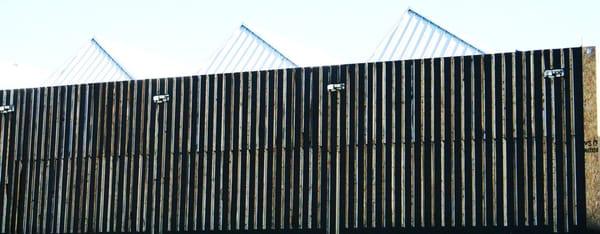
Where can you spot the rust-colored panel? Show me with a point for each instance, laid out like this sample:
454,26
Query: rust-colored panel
590,118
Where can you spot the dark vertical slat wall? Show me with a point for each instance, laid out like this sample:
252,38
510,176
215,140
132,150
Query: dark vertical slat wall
476,141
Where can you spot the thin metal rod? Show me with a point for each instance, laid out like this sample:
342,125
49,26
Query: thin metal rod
256,47
217,56
62,77
251,44
414,49
83,69
217,68
399,39
431,34
396,27
445,47
262,53
238,47
48,80
436,46
412,33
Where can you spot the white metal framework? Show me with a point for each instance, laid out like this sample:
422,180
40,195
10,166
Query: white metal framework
91,64
417,37
247,51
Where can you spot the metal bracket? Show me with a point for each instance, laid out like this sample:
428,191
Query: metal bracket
158,99
554,73
335,87
7,109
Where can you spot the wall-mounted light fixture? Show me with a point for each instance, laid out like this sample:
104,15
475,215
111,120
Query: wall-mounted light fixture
161,98
335,87
7,109
554,73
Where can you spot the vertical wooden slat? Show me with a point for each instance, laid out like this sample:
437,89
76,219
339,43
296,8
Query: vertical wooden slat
261,149
217,206
147,155
344,162
480,139
55,157
437,143
378,80
136,112
418,131
296,134
427,160
278,156
252,148
537,133
490,184
557,141
235,178
323,147
388,144
208,181
152,157
548,111
409,91
5,123
75,164
62,211
448,141
579,137
31,164
227,151
30,199
16,169
332,158
531,150
398,141
200,153
307,181
314,196
4,127
167,155
244,153
361,122
498,136
568,123
325,169
123,160
509,160
472,135
459,140
520,138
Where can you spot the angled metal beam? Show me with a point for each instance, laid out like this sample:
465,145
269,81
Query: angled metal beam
111,58
444,30
246,29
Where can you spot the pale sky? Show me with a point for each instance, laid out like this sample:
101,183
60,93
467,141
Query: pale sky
170,38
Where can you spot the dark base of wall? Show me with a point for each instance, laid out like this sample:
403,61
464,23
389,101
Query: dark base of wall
314,231
486,230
